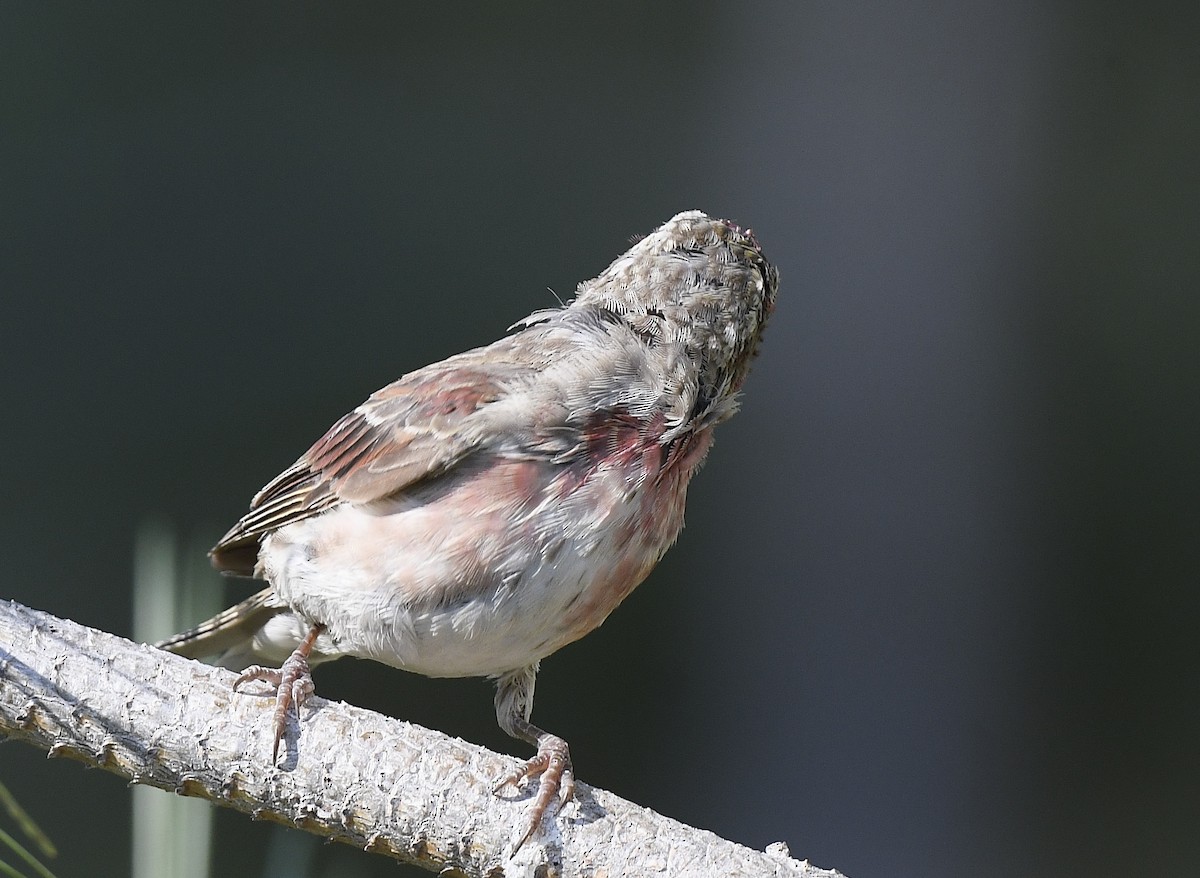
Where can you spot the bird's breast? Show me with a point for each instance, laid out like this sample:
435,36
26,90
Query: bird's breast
494,566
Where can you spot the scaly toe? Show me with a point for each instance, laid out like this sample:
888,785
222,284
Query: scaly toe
257,672
292,682
295,686
552,767
529,768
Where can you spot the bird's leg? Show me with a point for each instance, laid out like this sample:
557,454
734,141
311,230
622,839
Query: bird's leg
293,683
551,765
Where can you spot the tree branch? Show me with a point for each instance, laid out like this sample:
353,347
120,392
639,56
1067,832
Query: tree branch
353,776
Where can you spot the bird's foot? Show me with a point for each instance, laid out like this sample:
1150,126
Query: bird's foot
552,767
293,684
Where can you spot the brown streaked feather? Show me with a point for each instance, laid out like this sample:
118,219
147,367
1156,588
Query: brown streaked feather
407,432
226,630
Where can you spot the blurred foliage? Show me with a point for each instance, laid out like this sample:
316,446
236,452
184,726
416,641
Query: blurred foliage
31,831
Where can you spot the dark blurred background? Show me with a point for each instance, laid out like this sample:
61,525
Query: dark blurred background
933,611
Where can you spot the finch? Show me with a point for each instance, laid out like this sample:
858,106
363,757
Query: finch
476,515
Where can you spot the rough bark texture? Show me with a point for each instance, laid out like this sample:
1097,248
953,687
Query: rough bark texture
352,775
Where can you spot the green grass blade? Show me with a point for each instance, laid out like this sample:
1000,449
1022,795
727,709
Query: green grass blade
29,858
32,831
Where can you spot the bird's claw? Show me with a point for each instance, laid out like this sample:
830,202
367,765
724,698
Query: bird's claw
293,686
552,767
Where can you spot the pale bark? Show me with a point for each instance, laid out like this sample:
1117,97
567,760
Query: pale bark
350,775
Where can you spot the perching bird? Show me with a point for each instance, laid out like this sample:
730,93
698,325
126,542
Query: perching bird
480,513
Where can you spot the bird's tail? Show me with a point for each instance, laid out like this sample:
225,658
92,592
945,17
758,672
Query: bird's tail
230,634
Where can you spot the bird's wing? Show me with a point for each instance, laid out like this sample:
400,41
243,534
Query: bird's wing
411,430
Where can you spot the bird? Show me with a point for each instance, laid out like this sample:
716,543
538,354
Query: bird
480,513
